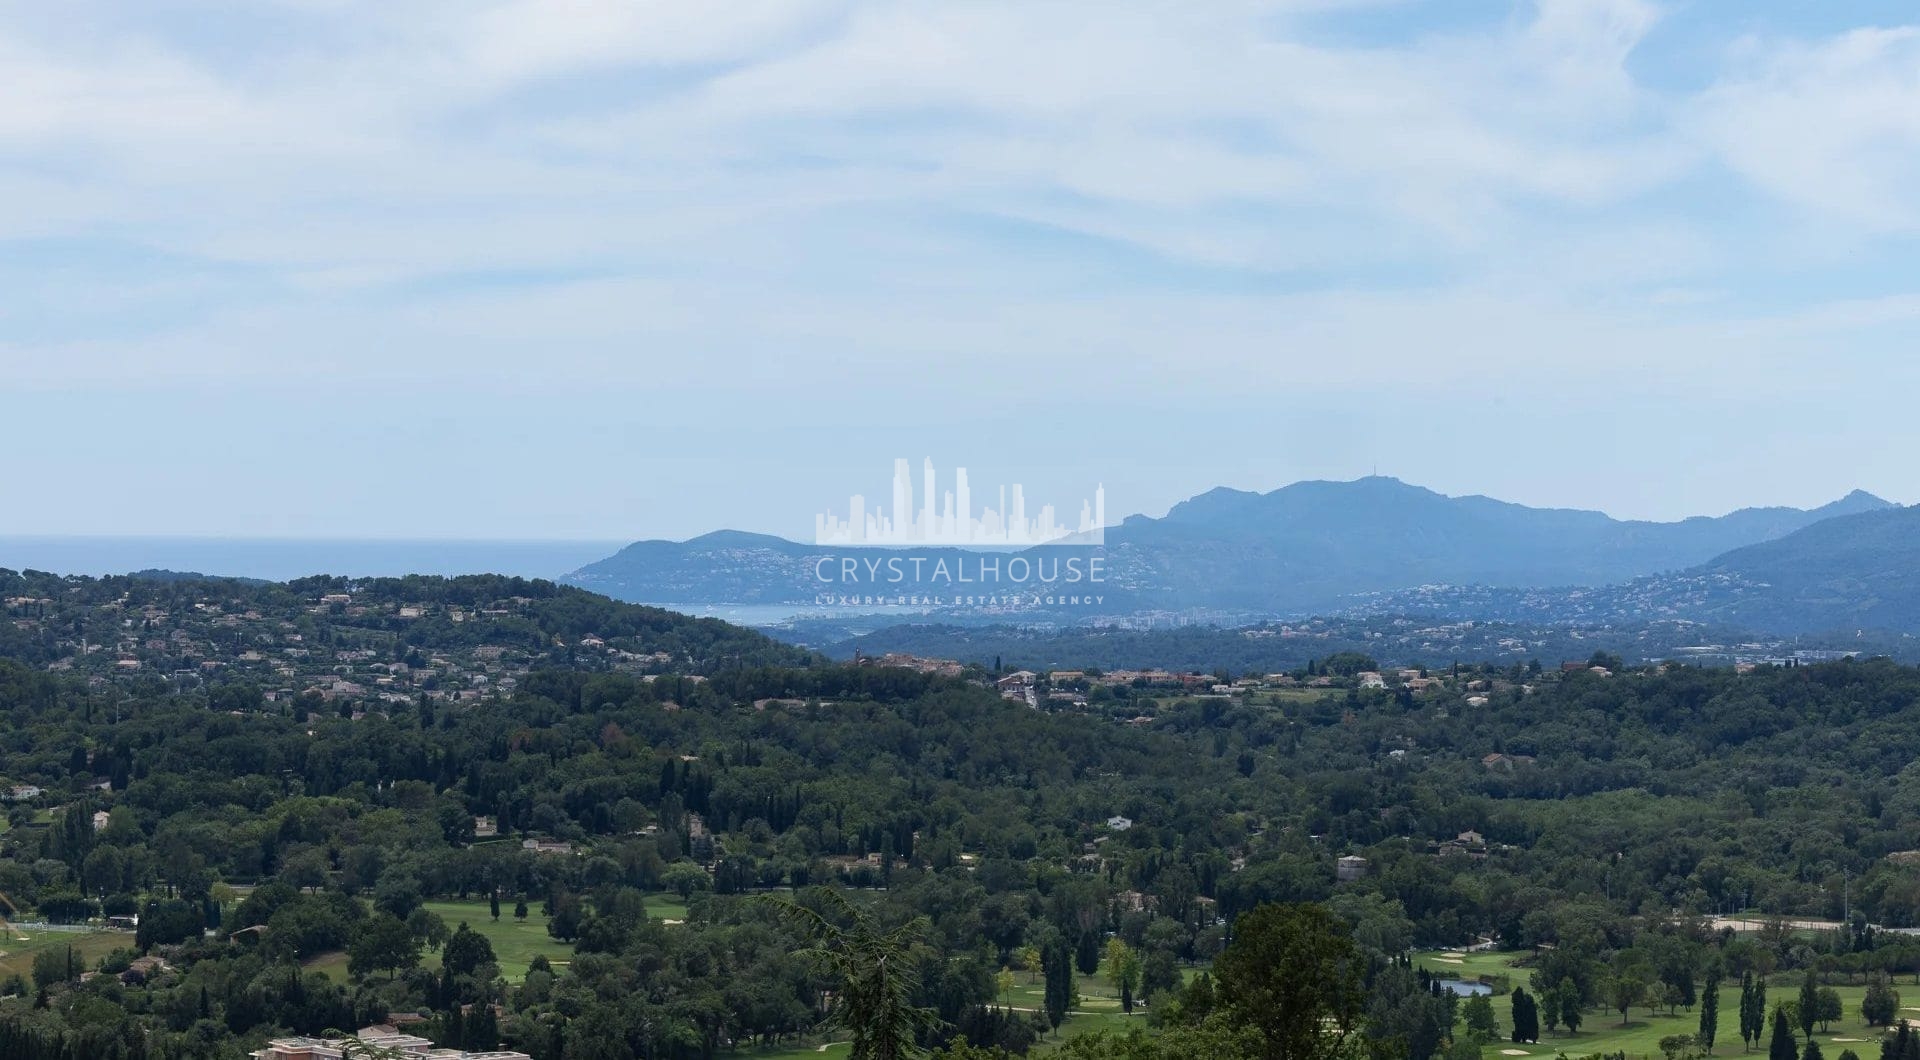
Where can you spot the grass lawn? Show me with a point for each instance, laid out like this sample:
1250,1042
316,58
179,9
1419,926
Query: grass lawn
1639,1037
16,953
333,965
514,941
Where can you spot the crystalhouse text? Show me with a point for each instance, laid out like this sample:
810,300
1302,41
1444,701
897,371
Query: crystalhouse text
963,570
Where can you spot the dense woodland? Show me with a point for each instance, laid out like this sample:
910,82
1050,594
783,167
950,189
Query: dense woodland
1619,810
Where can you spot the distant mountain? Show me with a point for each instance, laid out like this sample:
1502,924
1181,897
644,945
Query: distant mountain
1306,547
1309,545
1854,572
1862,571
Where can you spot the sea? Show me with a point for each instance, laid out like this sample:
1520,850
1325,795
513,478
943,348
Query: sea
282,559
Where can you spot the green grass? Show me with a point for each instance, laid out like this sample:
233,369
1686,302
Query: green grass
333,965
665,905
16,953
515,942
1639,1037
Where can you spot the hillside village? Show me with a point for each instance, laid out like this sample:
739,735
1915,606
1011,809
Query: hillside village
332,644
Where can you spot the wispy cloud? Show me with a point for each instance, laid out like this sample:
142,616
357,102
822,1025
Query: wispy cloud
738,206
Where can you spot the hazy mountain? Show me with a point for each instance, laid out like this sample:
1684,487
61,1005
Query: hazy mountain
1853,572
1308,546
1862,571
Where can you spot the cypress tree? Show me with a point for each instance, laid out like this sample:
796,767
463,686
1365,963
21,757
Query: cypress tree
1782,1046
1526,1016
1709,1014
1057,962
1809,1004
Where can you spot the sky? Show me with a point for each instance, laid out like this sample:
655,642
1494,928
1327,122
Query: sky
617,269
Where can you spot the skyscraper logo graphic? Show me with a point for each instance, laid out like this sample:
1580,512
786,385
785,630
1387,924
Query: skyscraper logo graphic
948,518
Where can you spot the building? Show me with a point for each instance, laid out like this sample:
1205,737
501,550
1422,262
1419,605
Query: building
1119,823
1350,868
383,1037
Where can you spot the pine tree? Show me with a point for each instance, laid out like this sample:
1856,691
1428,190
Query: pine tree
1809,1004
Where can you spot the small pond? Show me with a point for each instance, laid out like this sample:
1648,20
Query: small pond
1465,988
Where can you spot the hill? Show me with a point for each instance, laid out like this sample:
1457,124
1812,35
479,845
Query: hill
1303,548
1855,572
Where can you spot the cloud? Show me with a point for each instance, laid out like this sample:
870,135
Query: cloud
643,195
1830,126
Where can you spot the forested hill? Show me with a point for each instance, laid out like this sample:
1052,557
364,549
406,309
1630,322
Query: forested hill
1595,813
374,636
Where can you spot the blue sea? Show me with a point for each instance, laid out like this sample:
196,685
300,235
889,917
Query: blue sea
280,559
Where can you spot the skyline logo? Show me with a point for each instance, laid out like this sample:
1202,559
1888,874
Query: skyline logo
947,517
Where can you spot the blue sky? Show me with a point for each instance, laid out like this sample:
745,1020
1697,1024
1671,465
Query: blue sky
597,269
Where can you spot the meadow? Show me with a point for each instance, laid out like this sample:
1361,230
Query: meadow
18,947
515,942
1639,1036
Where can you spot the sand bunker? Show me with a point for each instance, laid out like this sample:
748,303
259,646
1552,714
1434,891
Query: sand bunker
1514,1052
1449,960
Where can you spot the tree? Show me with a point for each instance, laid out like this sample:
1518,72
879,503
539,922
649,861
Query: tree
382,942
1292,972
53,965
876,972
1812,1051
1406,1018
1676,1045
1709,1014
493,905
520,908
466,951
1625,991
1828,1006
1478,1013
1057,960
1881,1004
1568,995
1753,1009
1782,1047
1809,1004
1123,967
1526,1016
1030,960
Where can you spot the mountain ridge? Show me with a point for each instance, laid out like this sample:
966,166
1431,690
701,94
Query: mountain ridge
1305,546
